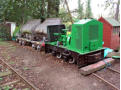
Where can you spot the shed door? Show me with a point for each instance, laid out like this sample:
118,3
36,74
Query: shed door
115,39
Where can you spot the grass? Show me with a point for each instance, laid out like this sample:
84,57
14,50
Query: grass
11,62
8,57
3,43
1,78
25,68
12,48
7,88
8,48
26,89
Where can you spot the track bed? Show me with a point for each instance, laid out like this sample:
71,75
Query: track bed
110,75
10,79
47,72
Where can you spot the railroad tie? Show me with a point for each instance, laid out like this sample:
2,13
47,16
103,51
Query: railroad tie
2,74
9,83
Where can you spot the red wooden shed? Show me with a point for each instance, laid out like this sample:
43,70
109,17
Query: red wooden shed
111,32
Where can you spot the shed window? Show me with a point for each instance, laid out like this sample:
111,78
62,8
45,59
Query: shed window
115,30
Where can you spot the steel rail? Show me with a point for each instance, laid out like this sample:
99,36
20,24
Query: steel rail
23,78
113,70
105,81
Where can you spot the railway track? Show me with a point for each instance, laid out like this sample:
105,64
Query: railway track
108,80
113,70
17,81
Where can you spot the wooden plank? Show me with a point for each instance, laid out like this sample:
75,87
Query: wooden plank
96,66
9,83
2,74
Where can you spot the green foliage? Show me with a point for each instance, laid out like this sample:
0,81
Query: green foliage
14,89
11,62
26,89
25,68
26,32
7,88
63,14
17,31
53,8
1,78
22,10
5,32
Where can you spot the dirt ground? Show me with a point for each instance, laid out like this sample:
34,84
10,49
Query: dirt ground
45,71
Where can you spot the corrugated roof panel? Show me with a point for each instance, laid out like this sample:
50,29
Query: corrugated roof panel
35,25
30,25
49,21
112,21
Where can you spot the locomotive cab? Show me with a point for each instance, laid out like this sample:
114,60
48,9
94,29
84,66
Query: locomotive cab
86,36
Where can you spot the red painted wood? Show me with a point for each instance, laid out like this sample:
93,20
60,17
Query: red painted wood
110,40
115,40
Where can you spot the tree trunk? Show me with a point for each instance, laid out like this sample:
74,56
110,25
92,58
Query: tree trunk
117,11
43,16
69,11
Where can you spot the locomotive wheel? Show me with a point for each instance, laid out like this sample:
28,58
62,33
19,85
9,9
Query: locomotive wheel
20,43
65,59
33,46
23,43
38,48
53,53
59,55
72,60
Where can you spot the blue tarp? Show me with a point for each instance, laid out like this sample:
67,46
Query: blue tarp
106,51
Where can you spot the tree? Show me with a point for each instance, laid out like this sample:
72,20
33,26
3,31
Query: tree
43,10
53,8
20,11
117,11
88,13
3,9
114,8
63,14
80,10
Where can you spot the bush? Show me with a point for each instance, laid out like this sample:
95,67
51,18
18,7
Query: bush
5,32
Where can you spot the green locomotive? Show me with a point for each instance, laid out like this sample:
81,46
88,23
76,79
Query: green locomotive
83,46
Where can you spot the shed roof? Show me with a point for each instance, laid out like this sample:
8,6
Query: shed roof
112,21
30,25
83,21
49,21
35,25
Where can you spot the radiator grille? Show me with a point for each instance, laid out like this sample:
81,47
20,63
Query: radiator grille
78,37
93,32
